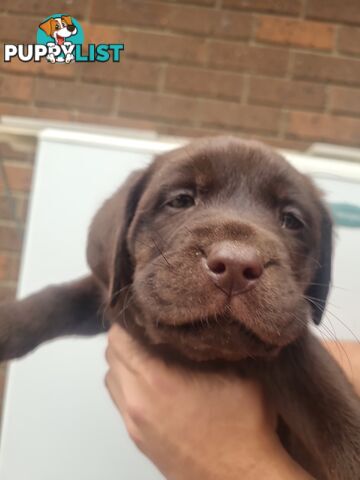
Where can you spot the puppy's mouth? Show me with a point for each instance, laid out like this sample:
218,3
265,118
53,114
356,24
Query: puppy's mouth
216,328
60,40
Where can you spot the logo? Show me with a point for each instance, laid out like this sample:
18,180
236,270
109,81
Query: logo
60,39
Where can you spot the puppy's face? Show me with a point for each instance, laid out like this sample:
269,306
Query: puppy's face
59,28
225,241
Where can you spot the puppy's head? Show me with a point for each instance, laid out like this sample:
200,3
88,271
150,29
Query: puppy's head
227,249
59,28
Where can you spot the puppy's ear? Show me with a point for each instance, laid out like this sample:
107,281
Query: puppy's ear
320,285
67,19
123,267
47,26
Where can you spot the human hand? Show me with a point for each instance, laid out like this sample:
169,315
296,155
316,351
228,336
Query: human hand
194,425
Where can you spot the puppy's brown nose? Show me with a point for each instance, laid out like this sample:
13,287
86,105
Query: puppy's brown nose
234,269
71,28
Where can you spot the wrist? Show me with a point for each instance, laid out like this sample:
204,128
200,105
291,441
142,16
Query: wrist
263,459
278,465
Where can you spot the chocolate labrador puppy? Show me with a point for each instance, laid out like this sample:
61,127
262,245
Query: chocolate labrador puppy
218,254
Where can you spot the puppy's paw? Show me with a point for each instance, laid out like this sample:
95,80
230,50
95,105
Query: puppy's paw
51,58
69,58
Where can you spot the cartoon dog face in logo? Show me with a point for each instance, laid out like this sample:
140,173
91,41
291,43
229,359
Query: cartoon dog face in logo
60,29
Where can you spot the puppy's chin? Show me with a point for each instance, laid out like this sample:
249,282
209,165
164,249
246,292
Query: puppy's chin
216,338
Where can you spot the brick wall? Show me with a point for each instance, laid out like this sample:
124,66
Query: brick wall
284,71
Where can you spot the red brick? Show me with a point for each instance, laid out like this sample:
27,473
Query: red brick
287,93
202,82
250,59
10,237
9,267
155,105
175,17
151,45
41,69
18,176
14,152
16,109
338,11
16,88
6,210
118,121
204,3
39,112
296,33
21,208
14,208
344,100
127,73
323,68
53,113
187,131
94,33
215,113
155,14
67,94
349,40
284,143
76,8
232,24
7,293
292,7
18,28
326,128
165,47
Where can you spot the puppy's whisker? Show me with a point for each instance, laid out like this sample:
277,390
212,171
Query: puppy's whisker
333,338
308,257
101,312
122,316
325,285
335,317
161,252
328,312
128,299
117,292
321,301
141,242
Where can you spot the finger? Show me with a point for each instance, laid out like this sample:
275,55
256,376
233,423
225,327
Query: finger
115,390
130,388
117,397
128,350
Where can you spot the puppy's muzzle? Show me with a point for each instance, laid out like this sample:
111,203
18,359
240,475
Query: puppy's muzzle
234,269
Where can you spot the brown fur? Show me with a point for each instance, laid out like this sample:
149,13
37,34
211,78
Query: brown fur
146,261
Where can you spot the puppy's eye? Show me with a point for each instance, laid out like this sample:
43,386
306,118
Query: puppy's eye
183,200
57,27
291,221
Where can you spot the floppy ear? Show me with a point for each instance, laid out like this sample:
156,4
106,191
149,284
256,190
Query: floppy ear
320,285
67,19
123,267
47,26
